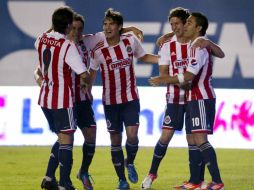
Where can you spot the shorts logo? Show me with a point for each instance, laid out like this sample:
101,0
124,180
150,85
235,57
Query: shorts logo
108,124
167,120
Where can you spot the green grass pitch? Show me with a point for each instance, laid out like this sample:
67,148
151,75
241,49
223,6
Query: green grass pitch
22,168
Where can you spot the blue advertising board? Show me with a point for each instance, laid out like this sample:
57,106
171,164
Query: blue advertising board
231,26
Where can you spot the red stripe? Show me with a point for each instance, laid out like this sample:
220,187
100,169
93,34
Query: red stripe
67,80
175,70
112,85
119,56
132,73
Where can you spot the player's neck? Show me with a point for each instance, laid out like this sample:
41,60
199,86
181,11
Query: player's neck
194,37
113,41
182,39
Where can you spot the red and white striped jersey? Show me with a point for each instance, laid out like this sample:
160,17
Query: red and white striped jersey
175,55
200,64
85,45
117,69
57,58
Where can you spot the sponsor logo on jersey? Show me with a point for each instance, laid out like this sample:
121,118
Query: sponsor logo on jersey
193,62
120,64
183,63
167,120
51,42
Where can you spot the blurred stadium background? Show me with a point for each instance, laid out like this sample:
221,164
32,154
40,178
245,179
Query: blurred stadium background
231,26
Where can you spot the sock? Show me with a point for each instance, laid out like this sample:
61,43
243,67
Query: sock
118,161
88,153
53,161
195,161
210,159
159,152
65,162
202,171
131,150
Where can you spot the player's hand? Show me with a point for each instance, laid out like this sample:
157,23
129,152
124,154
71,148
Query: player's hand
155,81
139,33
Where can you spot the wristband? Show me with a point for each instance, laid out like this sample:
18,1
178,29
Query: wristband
180,78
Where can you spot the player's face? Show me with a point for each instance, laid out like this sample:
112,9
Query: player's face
111,28
76,31
177,26
190,28
68,29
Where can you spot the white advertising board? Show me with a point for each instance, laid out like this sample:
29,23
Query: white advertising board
23,123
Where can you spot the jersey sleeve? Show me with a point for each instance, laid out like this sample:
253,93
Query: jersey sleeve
164,56
90,40
138,49
74,60
94,64
198,58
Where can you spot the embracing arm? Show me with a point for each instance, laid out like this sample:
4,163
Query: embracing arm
177,79
149,58
137,32
203,42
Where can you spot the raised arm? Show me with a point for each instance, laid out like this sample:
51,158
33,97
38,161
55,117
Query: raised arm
203,42
164,38
137,32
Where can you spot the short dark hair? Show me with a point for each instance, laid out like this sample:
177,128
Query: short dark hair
114,15
61,18
179,12
202,21
79,17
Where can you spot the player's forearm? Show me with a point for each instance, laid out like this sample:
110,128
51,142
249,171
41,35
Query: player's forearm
150,58
216,50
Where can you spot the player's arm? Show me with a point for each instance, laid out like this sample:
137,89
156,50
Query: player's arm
181,78
137,32
203,42
164,38
149,58
38,76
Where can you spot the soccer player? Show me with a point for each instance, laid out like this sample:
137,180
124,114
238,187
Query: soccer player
200,98
58,56
114,56
173,60
83,103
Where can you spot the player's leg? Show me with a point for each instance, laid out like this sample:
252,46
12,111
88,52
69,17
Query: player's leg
49,181
202,125
86,122
173,120
130,117
65,125
115,128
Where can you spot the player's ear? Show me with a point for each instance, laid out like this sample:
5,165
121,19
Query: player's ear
120,27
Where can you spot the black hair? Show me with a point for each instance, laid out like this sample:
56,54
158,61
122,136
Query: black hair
61,18
201,20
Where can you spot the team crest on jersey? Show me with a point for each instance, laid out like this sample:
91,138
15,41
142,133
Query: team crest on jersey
129,49
167,120
108,124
